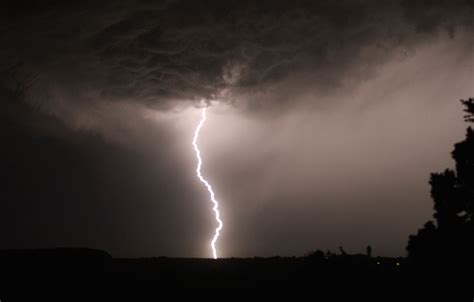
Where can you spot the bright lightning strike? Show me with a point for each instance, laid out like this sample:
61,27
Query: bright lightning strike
208,186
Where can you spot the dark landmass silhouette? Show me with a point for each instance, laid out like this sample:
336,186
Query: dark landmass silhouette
68,274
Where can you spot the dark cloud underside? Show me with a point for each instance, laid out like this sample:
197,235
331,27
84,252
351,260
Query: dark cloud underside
170,51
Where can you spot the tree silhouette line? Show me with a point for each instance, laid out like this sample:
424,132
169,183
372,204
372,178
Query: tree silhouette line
448,242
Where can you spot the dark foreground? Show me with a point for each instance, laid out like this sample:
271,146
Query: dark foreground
91,275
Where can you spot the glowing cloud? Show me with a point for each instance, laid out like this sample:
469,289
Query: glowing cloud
206,183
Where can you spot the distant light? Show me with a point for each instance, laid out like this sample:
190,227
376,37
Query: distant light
398,263
378,262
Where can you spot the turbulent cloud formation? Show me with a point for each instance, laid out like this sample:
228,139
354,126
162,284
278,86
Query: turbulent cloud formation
160,53
327,118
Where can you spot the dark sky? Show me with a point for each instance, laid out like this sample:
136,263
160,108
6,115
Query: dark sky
325,120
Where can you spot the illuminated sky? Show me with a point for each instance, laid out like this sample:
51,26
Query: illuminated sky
325,120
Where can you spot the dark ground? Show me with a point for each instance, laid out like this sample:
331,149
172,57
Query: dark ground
92,275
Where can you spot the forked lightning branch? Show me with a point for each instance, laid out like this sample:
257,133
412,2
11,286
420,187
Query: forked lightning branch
215,207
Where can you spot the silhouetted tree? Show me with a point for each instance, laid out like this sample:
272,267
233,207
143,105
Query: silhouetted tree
342,251
329,254
369,251
469,103
315,257
450,242
315,254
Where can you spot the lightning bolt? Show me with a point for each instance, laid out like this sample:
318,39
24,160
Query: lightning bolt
206,183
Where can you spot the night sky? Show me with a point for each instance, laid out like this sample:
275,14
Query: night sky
325,120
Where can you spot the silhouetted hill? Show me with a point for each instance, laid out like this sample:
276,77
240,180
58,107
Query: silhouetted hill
93,275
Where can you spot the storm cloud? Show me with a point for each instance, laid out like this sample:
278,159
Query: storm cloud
162,53
326,117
